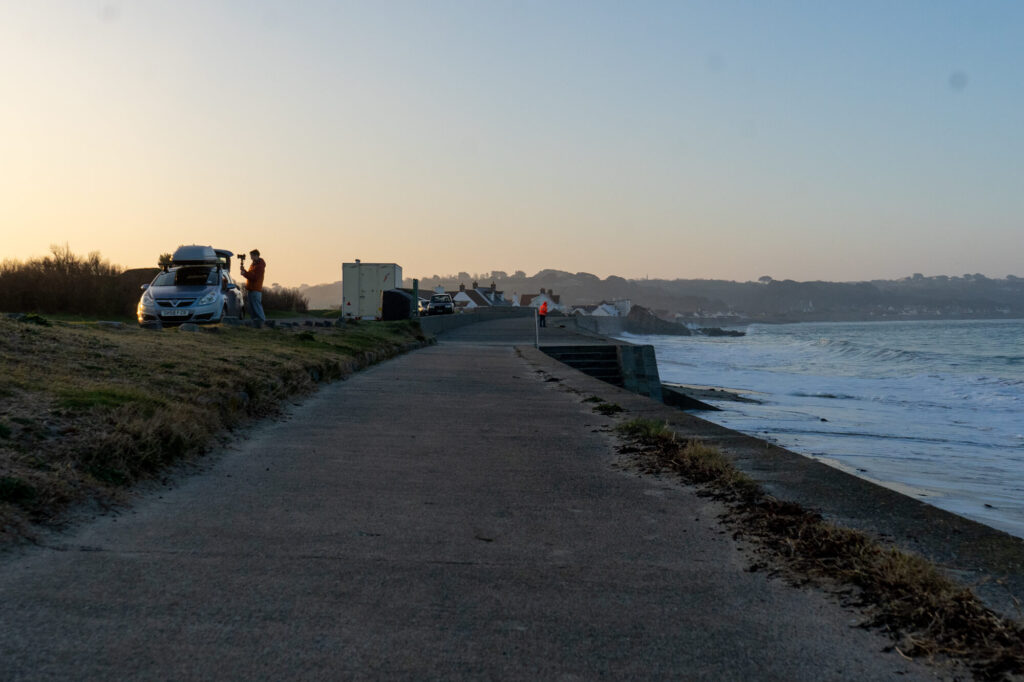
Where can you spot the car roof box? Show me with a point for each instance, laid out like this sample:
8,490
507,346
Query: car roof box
195,255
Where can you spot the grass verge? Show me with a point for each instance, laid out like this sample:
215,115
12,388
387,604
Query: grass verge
318,313
87,410
926,613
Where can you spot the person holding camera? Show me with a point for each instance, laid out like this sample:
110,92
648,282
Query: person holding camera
254,285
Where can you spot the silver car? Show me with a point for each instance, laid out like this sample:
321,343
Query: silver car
197,287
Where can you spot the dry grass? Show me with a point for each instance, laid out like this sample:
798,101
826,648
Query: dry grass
697,461
926,613
86,411
608,409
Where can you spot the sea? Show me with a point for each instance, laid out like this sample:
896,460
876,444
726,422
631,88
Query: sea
934,409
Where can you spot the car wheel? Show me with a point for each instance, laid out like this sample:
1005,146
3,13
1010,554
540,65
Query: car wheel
223,313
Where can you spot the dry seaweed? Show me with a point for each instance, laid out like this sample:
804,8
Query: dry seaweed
925,612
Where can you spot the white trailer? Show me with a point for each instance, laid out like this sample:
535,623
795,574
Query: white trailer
363,286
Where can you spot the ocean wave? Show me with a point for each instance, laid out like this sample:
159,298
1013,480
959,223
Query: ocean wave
931,403
849,349
886,437
827,396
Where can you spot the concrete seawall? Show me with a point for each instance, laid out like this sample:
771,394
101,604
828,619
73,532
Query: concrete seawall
989,560
438,324
637,365
609,326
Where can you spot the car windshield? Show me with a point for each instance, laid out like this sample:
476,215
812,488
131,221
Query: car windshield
193,275
440,298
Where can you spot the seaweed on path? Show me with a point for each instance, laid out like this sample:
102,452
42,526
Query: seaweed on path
925,613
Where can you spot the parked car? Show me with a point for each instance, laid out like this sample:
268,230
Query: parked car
424,306
441,304
196,287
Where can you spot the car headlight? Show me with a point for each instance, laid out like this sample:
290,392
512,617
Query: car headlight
147,297
208,299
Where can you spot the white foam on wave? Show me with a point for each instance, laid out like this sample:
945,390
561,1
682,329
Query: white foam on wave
931,406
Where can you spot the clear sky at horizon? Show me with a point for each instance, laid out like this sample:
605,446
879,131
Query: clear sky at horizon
802,140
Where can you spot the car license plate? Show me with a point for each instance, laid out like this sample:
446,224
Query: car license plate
175,313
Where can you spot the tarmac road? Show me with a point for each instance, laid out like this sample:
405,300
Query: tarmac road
449,514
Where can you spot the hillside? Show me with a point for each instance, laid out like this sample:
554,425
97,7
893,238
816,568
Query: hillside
916,297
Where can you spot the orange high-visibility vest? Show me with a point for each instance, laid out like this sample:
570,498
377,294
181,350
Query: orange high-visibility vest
543,308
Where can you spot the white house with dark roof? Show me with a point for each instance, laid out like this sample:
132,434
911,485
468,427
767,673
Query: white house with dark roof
617,308
477,297
554,300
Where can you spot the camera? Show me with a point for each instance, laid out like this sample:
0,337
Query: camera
241,259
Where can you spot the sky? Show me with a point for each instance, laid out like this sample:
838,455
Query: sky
840,141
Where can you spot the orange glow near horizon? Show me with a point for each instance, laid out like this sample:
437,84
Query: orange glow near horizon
641,146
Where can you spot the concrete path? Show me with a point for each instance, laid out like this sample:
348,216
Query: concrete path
446,515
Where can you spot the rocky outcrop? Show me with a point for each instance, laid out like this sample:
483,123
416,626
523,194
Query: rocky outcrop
642,321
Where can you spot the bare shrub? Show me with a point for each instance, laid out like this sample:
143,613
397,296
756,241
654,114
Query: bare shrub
64,283
284,299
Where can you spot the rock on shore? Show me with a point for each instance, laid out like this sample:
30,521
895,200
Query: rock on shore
642,321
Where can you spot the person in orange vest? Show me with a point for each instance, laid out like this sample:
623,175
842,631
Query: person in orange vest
543,314
254,286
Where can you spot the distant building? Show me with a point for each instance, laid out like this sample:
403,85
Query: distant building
623,305
554,300
476,297
618,308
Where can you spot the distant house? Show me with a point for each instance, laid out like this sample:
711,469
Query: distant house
619,308
584,309
491,294
467,299
623,305
476,297
554,300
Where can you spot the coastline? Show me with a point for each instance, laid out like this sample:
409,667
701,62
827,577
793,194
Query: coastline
988,560
931,405
731,323
699,392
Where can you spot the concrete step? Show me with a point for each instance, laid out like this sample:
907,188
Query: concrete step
600,362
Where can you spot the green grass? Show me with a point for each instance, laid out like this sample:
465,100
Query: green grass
88,319
85,398
88,410
327,313
324,314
